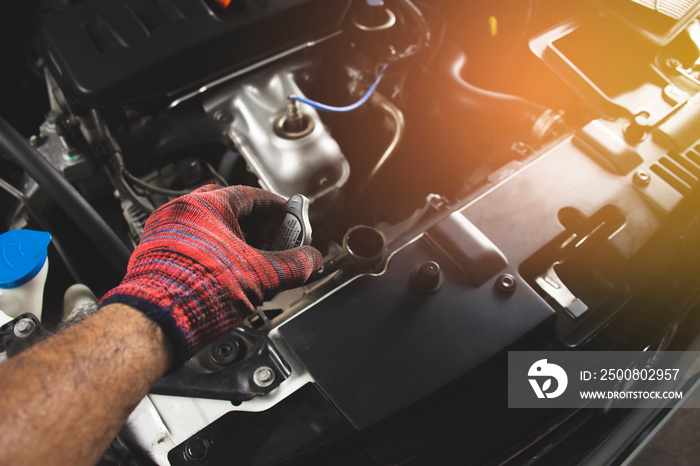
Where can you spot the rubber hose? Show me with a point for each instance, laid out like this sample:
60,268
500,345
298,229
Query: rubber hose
482,107
65,195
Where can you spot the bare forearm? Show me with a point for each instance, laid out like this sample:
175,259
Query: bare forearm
75,389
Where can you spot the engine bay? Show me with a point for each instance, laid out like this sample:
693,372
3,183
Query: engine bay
481,177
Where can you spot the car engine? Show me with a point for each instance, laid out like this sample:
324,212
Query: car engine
482,177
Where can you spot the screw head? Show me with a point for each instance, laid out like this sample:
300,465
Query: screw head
197,450
225,351
263,376
506,283
641,178
23,328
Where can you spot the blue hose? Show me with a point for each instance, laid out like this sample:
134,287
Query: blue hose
347,108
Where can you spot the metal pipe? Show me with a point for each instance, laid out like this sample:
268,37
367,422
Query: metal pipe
399,123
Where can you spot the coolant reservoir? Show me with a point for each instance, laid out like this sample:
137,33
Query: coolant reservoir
23,268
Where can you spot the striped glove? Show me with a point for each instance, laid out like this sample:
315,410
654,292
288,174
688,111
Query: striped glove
195,275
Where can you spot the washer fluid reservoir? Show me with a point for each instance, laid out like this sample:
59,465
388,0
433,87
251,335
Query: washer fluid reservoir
23,268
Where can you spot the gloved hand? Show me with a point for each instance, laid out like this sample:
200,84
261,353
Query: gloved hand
195,275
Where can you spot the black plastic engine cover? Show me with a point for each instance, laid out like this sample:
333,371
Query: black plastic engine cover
112,52
377,346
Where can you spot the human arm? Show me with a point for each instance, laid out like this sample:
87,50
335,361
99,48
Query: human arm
64,399
191,280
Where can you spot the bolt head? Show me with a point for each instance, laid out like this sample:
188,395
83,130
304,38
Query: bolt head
506,283
197,450
225,352
263,376
641,178
22,325
23,328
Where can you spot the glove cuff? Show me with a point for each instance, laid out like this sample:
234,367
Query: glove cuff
160,315
187,303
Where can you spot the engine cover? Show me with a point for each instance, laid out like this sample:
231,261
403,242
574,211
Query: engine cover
116,51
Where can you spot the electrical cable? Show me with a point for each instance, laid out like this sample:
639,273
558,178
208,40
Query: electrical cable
131,187
116,165
347,108
215,174
151,188
154,189
123,188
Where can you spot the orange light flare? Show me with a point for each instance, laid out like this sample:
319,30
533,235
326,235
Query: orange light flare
223,3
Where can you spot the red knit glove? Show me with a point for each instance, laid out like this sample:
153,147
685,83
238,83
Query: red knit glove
195,275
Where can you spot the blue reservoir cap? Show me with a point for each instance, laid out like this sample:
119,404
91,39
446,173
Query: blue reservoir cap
22,255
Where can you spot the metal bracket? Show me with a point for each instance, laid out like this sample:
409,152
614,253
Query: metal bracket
257,369
554,287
